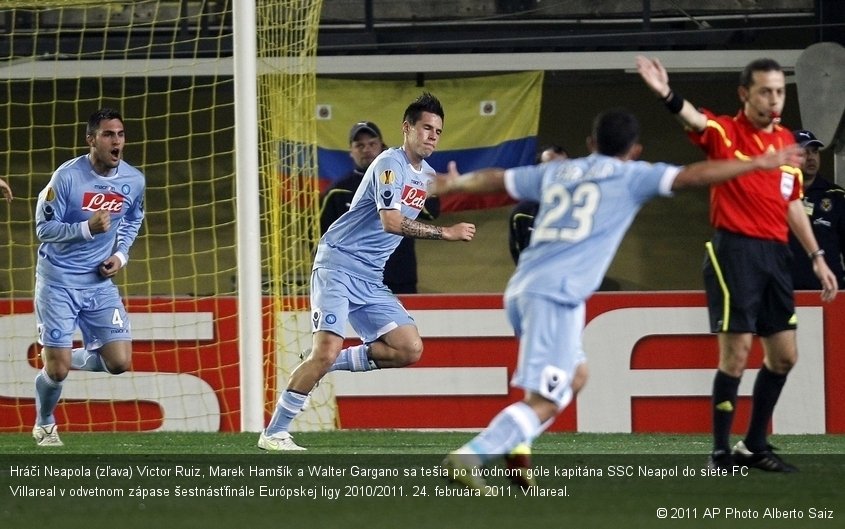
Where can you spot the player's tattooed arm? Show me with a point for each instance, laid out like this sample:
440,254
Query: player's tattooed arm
394,222
420,230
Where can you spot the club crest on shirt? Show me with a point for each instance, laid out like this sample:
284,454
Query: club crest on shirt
387,177
317,316
826,204
413,197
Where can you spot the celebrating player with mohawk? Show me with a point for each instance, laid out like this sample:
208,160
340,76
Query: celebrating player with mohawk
347,277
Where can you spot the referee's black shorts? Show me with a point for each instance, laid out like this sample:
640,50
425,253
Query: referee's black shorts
749,285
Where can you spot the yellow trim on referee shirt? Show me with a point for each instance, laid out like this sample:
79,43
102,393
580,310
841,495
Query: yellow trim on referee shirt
715,124
726,295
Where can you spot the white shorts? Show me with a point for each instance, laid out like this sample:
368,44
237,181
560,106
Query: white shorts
98,312
371,308
550,348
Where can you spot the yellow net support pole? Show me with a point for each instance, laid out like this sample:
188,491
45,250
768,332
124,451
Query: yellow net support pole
287,96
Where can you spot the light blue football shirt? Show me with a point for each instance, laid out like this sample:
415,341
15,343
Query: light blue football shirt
356,243
586,206
69,255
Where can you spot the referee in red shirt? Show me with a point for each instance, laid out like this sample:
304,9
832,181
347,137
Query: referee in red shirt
747,270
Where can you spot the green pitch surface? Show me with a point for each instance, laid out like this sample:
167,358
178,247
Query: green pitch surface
386,479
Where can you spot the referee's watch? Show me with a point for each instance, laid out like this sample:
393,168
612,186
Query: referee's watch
817,253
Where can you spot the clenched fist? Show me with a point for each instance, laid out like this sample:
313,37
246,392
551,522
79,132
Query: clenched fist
110,266
100,222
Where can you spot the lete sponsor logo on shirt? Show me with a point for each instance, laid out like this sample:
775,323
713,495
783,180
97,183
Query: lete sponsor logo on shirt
413,197
110,202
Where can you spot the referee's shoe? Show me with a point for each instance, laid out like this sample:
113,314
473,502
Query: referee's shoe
764,460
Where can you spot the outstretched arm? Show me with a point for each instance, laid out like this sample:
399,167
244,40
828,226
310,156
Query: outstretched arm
715,171
476,182
656,78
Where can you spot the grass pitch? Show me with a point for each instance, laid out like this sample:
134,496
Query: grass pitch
392,479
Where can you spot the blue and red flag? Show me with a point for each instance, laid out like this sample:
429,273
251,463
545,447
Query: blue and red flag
491,121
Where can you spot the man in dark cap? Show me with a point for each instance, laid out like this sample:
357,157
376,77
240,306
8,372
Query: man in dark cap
365,143
824,203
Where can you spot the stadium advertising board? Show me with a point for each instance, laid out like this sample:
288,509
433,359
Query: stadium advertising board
651,362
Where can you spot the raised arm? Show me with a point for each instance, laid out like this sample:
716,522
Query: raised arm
655,77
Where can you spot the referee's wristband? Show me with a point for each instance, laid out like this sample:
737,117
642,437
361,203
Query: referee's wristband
674,103
817,253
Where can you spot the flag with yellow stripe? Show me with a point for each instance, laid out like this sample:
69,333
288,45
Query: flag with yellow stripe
490,120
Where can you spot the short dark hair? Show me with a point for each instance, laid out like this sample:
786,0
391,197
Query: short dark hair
615,131
425,103
746,78
98,116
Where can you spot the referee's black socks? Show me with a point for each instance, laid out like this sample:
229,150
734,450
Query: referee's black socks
725,389
767,390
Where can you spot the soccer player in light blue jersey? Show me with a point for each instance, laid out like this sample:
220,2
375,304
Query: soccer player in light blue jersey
86,218
346,279
586,206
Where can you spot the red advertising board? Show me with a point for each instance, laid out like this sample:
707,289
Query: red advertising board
651,362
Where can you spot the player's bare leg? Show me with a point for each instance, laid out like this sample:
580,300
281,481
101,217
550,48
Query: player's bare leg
326,347
519,423
780,351
114,357
398,348
518,460
733,352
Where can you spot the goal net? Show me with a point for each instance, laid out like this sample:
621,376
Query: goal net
167,66
287,96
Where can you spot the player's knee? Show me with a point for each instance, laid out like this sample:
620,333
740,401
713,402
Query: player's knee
411,352
116,357
782,366
733,365
56,363
322,358
57,372
320,365
117,366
